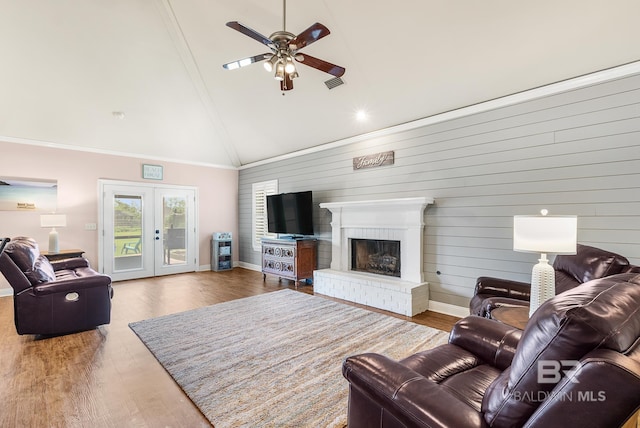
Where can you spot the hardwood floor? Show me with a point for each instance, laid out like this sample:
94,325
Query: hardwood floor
106,377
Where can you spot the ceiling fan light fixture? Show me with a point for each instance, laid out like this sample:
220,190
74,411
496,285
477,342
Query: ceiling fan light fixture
279,72
270,64
290,67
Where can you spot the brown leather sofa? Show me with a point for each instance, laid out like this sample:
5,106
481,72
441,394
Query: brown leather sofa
576,364
570,271
54,297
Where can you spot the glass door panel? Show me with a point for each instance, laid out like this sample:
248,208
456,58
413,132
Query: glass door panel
127,232
174,224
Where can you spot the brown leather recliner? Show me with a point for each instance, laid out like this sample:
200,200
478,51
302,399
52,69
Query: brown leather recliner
54,297
577,363
570,271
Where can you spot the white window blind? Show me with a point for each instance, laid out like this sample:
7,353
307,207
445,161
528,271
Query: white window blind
259,223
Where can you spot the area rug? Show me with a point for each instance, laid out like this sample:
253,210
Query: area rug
275,360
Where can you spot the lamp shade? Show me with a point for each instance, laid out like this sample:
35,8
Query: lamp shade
53,220
545,234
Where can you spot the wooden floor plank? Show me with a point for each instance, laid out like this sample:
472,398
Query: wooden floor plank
106,377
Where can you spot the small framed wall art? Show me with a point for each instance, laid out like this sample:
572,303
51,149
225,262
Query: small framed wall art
151,172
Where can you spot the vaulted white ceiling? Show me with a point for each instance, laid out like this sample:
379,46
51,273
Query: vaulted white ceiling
67,66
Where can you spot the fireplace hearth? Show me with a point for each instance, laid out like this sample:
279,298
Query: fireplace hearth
383,277
377,256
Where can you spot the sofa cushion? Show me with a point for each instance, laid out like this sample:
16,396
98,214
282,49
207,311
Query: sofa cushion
603,313
42,271
458,371
589,263
24,252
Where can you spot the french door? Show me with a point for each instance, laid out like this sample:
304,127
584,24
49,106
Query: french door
147,230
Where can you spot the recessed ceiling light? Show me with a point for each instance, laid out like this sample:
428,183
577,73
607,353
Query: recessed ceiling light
118,114
361,115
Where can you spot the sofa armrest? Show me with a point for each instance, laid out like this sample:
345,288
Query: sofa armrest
76,284
633,269
72,263
407,395
492,341
484,304
503,288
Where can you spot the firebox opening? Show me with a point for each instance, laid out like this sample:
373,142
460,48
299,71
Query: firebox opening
377,256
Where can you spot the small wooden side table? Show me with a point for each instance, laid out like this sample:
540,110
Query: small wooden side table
63,254
515,316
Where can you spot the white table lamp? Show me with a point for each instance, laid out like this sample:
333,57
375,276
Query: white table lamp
53,221
544,234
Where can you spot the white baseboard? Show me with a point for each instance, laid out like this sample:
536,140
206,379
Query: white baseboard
204,268
448,309
250,266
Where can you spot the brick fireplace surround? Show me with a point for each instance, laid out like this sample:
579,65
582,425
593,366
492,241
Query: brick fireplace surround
389,219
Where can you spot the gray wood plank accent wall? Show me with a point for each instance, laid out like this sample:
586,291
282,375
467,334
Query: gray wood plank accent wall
576,152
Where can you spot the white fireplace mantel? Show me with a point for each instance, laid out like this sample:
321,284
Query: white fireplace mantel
392,213
399,219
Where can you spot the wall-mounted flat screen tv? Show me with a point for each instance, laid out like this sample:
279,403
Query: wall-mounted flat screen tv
290,213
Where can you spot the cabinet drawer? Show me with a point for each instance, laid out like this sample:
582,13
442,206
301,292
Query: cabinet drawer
278,267
280,251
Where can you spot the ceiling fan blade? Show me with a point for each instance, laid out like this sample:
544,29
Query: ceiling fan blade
246,61
321,65
249,32
308,36
287,83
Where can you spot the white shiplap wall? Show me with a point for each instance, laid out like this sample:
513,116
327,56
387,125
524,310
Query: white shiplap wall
575,152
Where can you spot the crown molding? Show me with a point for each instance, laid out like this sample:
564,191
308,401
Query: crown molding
16,140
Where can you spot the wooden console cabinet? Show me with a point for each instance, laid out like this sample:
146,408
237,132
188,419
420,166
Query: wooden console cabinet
293,259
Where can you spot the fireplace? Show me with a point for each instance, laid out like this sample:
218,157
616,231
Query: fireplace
377,256
390,274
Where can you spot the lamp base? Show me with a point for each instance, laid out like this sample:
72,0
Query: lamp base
53,242
543,284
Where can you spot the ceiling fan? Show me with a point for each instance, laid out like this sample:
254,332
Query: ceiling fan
284,50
